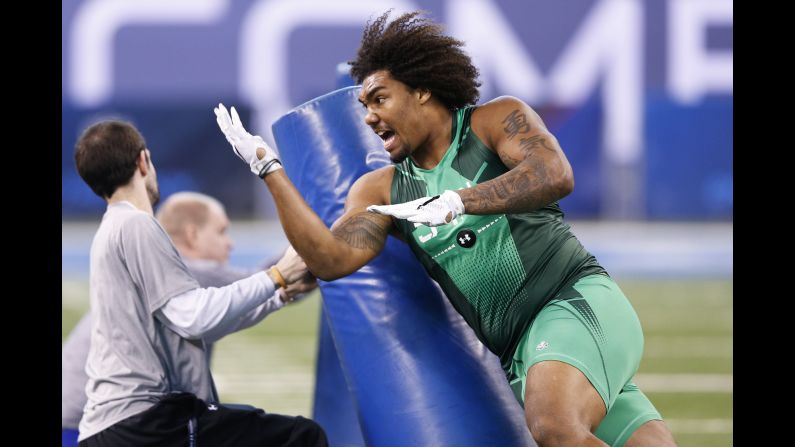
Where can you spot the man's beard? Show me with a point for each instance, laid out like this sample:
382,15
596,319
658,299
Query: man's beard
153,193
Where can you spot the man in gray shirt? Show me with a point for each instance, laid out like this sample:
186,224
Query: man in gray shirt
198,227
149,381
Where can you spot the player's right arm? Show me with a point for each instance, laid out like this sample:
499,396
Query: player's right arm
353,240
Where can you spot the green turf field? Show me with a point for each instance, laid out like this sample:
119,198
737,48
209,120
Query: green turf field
686,370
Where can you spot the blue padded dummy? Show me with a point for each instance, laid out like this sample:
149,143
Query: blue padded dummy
69,437
397,365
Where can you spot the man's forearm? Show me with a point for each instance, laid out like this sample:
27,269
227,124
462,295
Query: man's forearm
202,311
532,184
249,319
308,235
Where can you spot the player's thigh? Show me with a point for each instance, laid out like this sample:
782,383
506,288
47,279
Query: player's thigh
590,326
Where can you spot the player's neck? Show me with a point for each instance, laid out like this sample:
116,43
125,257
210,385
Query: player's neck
429,154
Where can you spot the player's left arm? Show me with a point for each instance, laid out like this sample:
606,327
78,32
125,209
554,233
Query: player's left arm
539,172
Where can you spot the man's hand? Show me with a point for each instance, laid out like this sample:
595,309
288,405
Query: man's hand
291,266
298,278
252,149
429,211
299,289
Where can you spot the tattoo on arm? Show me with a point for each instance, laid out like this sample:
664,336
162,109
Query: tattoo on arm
529,144
362,231
523,188
529,183
508,161
515,123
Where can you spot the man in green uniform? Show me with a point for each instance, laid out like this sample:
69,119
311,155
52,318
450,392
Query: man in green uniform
474,192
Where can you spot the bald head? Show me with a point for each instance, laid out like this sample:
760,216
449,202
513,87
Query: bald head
197,223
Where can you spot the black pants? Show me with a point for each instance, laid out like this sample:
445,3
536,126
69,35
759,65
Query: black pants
185,420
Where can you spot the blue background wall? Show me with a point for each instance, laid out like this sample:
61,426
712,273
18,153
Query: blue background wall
164,66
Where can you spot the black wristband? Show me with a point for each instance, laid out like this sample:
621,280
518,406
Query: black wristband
264,171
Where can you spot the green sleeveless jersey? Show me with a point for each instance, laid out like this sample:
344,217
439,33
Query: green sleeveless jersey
497,270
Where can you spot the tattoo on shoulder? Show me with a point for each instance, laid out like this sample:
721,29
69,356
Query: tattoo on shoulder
363,231
515,123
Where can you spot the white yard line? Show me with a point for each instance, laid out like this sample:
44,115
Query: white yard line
290,391
701,426
672,346
291,381
685,383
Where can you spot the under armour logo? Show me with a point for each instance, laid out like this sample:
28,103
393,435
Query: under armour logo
212,407
466,238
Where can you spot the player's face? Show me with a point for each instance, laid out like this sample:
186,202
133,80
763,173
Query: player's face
212,240
393,114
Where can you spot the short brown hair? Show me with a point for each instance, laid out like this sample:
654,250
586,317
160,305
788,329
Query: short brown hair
106,154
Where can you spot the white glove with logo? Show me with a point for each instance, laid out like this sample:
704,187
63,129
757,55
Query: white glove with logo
252,149
429,211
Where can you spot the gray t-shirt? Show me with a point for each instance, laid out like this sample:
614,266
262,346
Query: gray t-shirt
134,359
75,349
73,373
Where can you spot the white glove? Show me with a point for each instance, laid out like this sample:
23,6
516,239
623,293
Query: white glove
429,211
252,149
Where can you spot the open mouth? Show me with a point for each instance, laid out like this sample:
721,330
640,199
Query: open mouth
388,136
385,134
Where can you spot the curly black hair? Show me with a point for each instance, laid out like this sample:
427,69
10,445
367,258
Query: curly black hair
416,53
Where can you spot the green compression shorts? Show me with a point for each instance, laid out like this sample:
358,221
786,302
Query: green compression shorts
592,327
